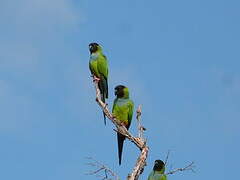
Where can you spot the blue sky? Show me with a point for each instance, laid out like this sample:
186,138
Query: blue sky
180,59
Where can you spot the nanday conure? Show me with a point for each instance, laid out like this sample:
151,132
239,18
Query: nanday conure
98,66
123,111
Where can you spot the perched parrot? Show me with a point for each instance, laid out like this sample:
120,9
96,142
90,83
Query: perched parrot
98,66
123,111
158,171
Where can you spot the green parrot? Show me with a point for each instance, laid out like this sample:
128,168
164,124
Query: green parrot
158,171
123,111
98,66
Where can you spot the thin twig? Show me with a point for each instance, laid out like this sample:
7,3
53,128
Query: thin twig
101,168
141,129
186,168
166,160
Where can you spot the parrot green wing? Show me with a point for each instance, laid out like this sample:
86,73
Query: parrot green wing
93,68
103,66
130,111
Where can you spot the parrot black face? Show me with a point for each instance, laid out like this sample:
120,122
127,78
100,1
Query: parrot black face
158,165
93,47
119,91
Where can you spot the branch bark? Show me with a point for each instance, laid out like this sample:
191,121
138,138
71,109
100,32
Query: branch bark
138,141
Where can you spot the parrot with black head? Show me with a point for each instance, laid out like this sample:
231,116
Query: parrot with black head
158,171
98,66
123,111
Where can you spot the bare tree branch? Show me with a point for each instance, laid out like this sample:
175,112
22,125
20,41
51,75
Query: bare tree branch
139,166
140,128
138,141
101,168
186,168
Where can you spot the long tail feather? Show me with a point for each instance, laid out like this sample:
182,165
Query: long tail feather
102,92
104,117
106,87
121,139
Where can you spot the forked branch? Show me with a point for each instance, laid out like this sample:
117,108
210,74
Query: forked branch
188,167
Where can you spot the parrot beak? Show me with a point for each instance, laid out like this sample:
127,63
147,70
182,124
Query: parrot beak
91,48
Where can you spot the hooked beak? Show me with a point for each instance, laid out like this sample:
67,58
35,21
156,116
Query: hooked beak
90,48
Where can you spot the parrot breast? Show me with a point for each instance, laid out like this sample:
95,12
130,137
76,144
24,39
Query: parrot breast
121,110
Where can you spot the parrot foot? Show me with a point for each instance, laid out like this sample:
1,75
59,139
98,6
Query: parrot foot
105,105
123,124
96,79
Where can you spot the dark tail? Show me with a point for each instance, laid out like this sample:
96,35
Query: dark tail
120,139
106,96
104,117
103,86
106,87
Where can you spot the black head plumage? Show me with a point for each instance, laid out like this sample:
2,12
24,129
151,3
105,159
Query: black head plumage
158,165
93,47
119,91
